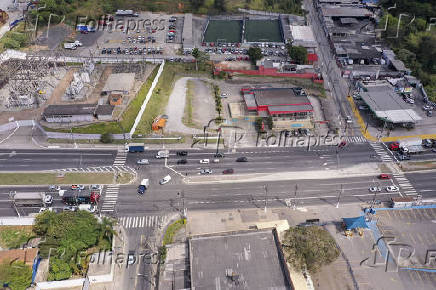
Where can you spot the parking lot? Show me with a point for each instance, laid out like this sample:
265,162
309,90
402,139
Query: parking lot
413,230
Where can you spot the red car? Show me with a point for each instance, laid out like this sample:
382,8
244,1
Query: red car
228,171
394,146
384,176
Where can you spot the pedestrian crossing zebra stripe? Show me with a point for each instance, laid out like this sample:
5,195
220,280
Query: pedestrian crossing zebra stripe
142,221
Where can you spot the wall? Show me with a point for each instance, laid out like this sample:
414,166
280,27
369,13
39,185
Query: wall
273,72
75,118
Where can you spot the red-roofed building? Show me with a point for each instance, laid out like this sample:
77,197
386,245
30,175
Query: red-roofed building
312,57
289,107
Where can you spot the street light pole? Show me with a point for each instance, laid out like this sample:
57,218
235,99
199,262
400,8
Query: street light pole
339,196
266,196
295,196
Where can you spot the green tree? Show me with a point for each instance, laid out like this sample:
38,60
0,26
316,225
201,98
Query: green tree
68,234
298,54
10,43
258,124
196,4
220,5
16,274
255,54
196,55
106,138
310,247
59,270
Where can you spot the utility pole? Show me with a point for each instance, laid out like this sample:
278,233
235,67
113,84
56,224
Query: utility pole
295,196
339,196
266,196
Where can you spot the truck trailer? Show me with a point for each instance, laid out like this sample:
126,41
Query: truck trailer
79,197
31,199
411,146
133,148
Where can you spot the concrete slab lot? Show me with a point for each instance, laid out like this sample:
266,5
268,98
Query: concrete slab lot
415,229
225,31
263,31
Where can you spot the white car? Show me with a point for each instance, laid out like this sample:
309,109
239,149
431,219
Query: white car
204,161
216,161
87,207
43,209
142,162
54,188
164,180
375,189
348,119
223,95
392,188
95,187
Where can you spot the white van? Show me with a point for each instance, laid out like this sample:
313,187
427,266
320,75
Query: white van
88,207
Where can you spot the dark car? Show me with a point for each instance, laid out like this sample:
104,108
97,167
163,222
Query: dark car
141,189
182,161
242,159
228,171
182,153
219,155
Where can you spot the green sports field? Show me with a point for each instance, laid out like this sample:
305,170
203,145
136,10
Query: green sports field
263,31
228,31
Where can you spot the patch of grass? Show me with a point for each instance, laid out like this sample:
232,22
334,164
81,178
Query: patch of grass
13,237
51,178
159,99
82,141
168,238
187,116
124,178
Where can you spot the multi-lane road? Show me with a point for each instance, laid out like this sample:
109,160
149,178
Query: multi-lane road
206,193
50,159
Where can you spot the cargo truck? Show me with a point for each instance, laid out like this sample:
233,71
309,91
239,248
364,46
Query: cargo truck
411,146
31,199
133,148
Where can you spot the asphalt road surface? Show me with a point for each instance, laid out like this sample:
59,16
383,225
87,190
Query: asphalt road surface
49,159
424,183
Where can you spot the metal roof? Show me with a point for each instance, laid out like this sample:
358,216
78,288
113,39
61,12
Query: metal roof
78,109
278,96
188,42
388,105
290,109
242,260
336,11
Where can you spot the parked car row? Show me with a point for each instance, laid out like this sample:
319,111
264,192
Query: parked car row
132,50
139,39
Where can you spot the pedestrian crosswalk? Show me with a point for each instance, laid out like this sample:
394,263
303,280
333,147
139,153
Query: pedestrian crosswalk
110,198
381,151
404,183
121,157
98,169
153,221
354,139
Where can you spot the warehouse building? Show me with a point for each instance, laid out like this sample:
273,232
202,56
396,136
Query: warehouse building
69,113
238,260
288,107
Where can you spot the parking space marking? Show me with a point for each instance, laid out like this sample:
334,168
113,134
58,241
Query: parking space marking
419,237
412,238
